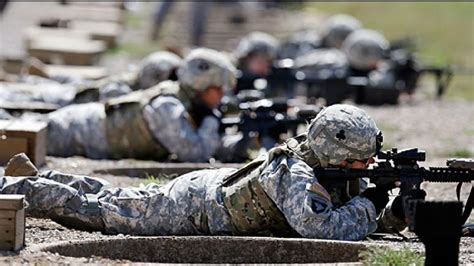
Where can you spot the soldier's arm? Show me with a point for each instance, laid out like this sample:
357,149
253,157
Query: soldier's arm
353,221
307,205
169,122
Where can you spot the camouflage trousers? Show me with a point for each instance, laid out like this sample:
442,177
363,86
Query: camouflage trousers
188,205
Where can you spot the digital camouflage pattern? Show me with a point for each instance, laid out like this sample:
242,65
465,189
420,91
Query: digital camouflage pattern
365,48
307,206
65,90
192,203
341,132
78,129
179,135
125,121
81,130
205,67
47,92
157,67
257,43
188,205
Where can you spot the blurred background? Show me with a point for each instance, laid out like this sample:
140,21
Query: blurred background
115,36
442,32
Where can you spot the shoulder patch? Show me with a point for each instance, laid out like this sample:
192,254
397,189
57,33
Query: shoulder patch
319,190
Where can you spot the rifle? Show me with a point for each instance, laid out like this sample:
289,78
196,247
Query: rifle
331,84
338,84
409,70
267,119
425,218
403,166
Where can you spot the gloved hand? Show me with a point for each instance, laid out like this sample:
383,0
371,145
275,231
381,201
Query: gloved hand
378,196
398,205
200,110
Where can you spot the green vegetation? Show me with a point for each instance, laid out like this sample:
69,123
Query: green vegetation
138,44
135,49
460,153
160,179
134,20
443,32
388,256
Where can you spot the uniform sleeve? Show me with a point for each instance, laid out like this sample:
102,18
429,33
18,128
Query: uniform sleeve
168,120
307,205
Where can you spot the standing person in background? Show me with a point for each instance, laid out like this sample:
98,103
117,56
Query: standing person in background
198,17
197,23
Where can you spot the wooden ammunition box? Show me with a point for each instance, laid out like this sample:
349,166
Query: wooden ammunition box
12,222
68,51
108,32
20,136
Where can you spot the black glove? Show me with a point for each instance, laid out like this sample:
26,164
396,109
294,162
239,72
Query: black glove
398,209
379,197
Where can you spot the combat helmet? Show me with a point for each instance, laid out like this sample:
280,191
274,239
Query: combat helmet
157,67
364,48
336,28
341,132
257,43
300,43
205,67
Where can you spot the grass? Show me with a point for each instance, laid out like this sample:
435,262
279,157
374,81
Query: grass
135,49
388,256
160,179
134,20
443,32
138,44
460,153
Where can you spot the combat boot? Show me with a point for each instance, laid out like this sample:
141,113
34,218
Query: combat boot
20,165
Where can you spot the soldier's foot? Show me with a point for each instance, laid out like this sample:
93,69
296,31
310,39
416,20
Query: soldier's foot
20,165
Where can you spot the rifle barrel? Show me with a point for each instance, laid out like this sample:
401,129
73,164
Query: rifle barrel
433,174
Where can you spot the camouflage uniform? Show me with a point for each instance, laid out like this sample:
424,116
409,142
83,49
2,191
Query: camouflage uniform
50,92
63,90
159,115
201,203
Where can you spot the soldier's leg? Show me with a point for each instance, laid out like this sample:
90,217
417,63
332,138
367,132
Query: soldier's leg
199,12
159,17
78,129
135,211
59,202
85,184
20,165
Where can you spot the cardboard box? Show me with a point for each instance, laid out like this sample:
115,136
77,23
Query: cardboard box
22,136
12,222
